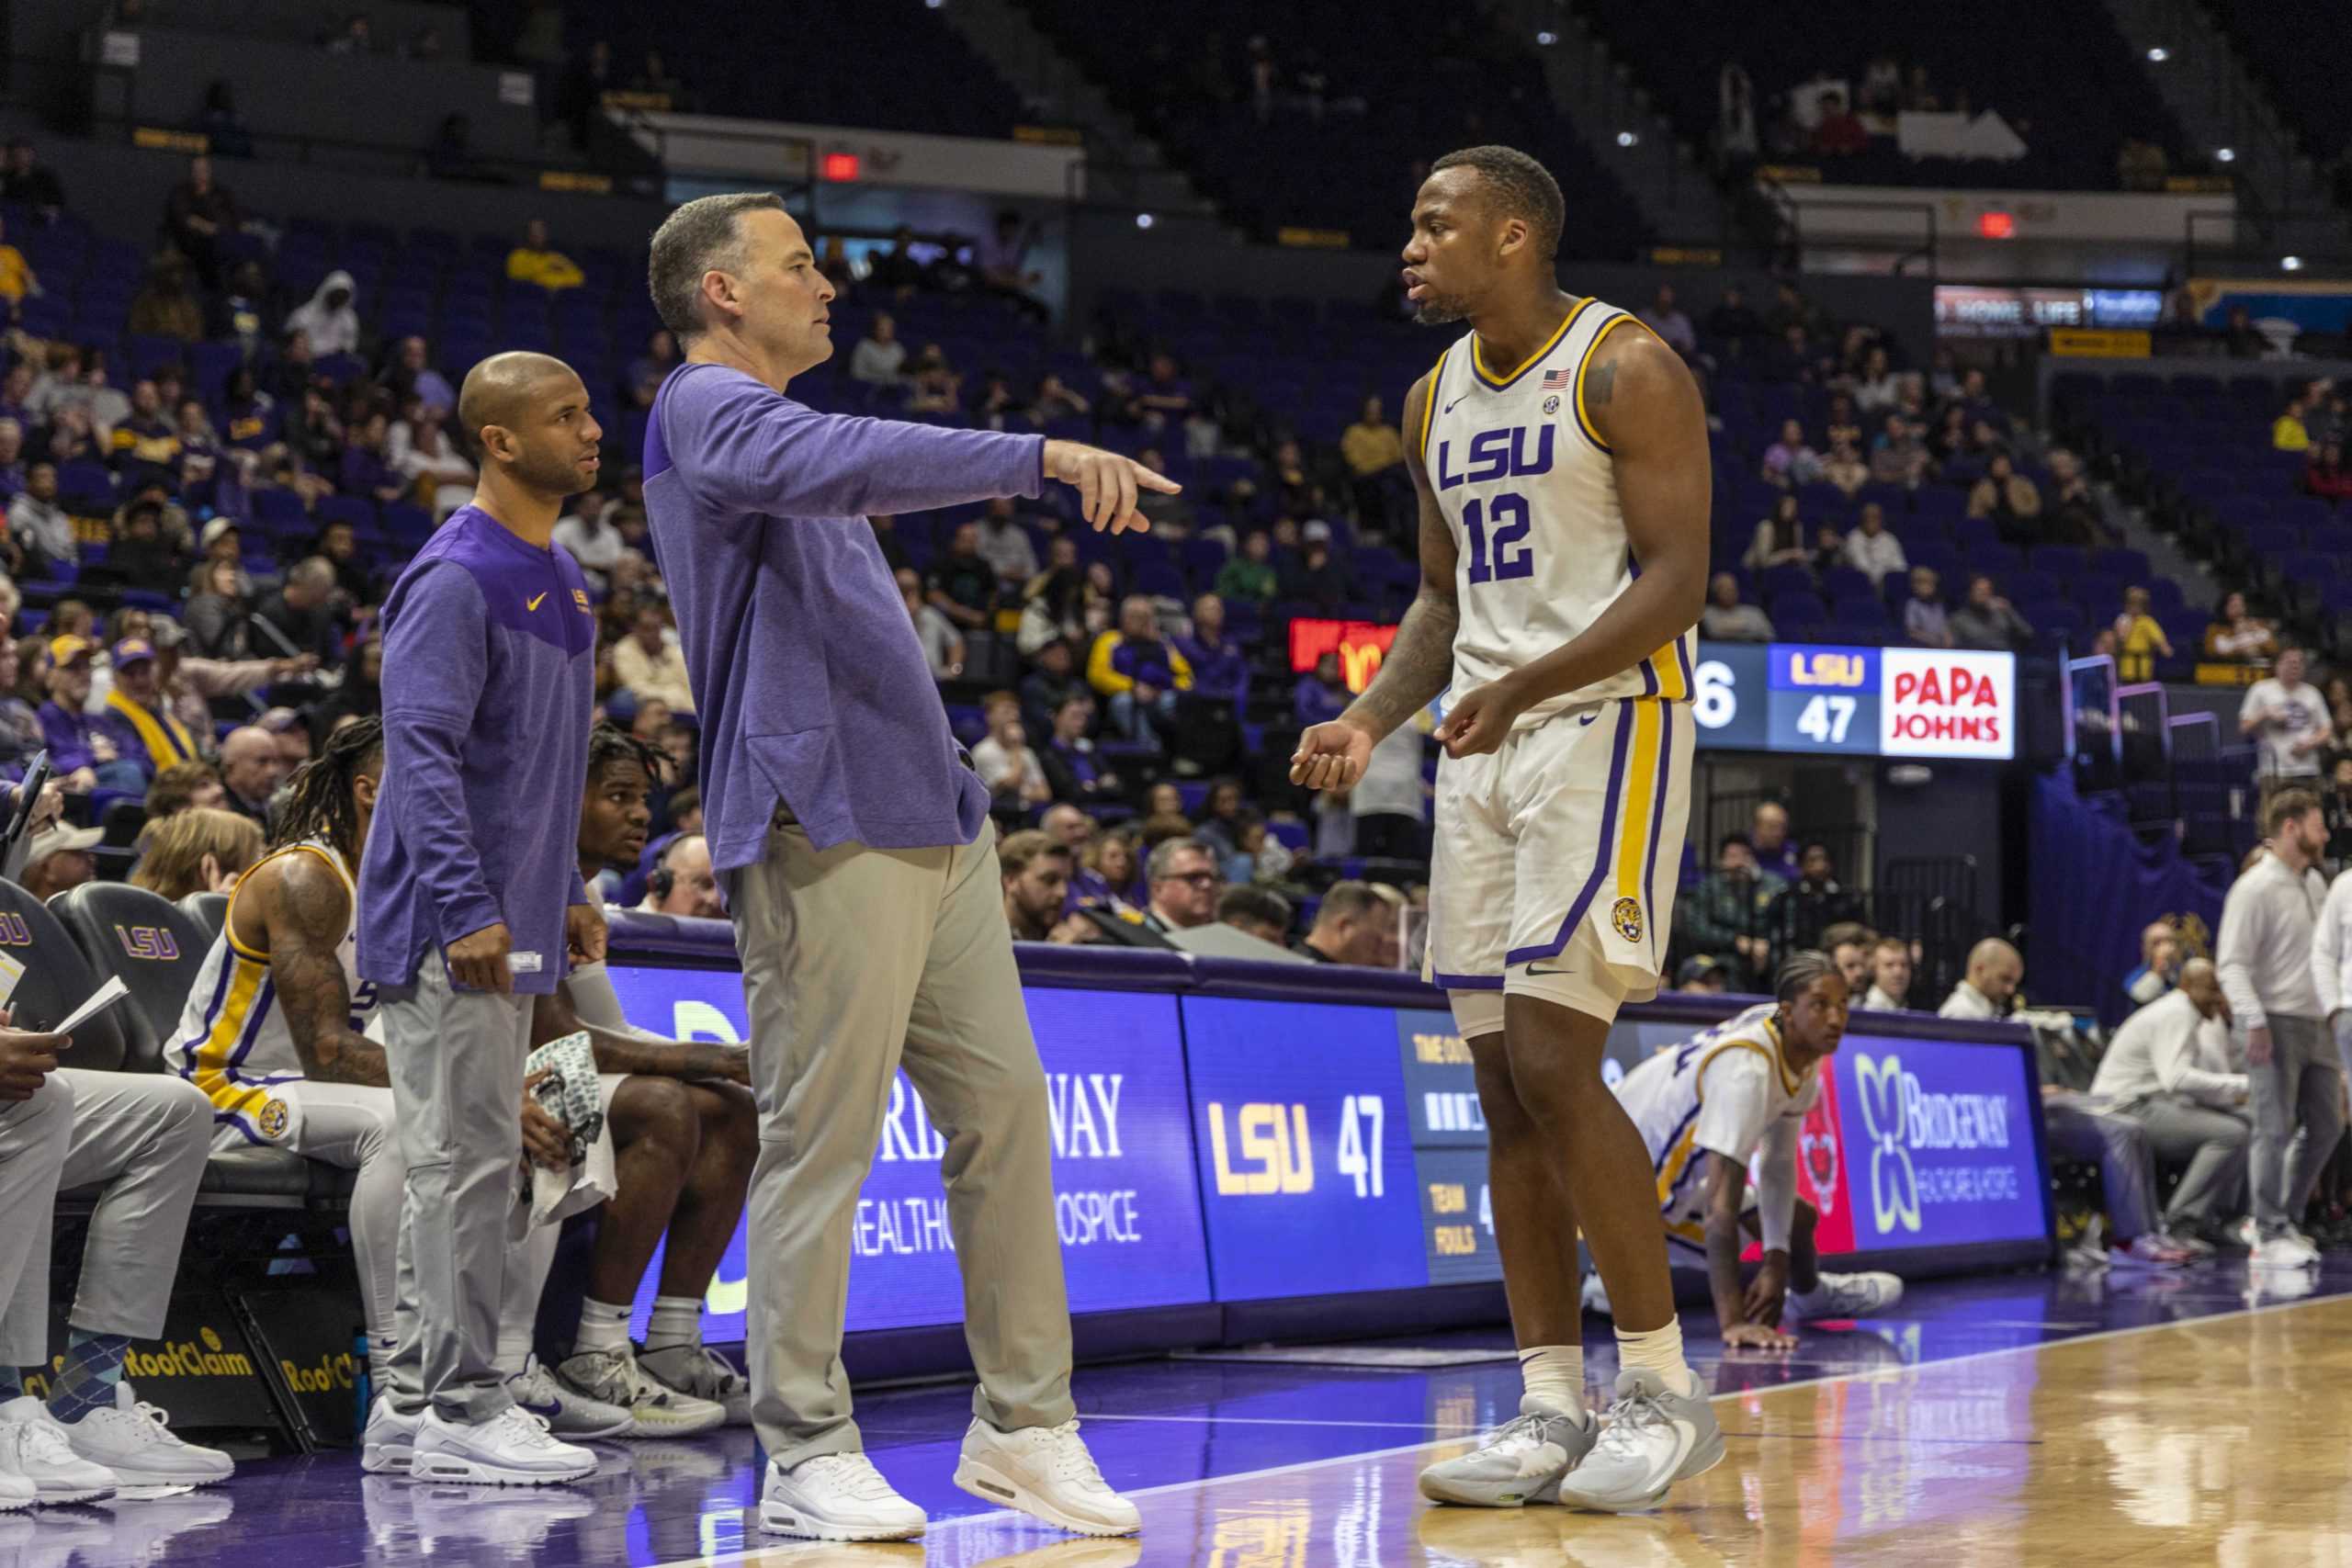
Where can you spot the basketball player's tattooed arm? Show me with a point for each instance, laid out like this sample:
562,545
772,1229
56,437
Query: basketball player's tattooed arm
1644,404
1418,664
304,910
553,1016
1726,1186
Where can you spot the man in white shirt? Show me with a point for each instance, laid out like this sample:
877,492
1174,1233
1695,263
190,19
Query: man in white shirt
649,664
1871,549
1005,761
1989,988
1004,543
2288,718
2266,955
2077,1126
1890,975
592,542
2168,1067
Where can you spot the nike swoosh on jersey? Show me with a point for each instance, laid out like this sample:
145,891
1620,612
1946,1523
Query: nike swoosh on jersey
1452,406
533,603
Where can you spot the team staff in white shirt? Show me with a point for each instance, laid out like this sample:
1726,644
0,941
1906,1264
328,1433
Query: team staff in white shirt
2265,955
2168,1068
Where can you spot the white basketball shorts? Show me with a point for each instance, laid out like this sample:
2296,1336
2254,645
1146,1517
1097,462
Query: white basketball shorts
1556,861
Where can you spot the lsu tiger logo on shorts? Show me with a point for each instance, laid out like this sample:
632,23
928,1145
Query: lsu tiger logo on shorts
1626,915
272,1120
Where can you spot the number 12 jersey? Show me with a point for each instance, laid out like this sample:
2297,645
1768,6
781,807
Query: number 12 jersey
1529,489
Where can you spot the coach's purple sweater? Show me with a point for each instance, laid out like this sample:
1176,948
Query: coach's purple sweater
808,678
490,678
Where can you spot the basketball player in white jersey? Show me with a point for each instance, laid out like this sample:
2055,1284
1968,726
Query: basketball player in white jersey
275,1034
1704,1109
1560,454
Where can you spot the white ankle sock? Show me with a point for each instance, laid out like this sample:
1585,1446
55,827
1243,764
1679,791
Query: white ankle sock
1659,1350
1553,1376
379,1362
676,1320
603,1327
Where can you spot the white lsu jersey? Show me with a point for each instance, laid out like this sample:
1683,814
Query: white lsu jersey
1530,491
1719,1092
233,1041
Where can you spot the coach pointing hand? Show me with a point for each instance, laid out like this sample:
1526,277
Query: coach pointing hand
853,842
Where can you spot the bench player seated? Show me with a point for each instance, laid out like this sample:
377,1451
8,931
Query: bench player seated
685,1136
1705,1108
143,1138
275,1034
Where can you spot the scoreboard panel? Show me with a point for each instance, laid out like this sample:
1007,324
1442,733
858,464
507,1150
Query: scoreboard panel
1856,702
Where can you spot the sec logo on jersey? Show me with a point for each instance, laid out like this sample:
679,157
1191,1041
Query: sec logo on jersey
1626,915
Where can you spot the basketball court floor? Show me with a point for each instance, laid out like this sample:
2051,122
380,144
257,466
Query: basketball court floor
2037,1418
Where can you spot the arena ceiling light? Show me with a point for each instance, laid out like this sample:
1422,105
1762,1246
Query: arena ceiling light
2291,264
2226,155
1547,38
2158,55
1145,220
1627,138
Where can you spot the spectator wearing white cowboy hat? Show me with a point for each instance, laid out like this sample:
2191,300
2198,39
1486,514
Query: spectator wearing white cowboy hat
60,860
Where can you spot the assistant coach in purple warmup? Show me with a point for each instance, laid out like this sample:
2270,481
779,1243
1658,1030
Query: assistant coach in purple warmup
853,840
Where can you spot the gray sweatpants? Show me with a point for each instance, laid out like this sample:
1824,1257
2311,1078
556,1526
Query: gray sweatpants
851,955
2077,1128
145,1136
2212,1143
2300,1086
456,1059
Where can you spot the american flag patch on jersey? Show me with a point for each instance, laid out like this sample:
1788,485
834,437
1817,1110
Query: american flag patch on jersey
1557,380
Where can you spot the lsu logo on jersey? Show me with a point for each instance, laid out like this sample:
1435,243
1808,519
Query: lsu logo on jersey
580,598
152,944
1626,919
1499,454
272,1119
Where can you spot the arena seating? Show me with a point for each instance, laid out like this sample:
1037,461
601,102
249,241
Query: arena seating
2030,67
910,70
2306,83
2201,446
72,948
1403,85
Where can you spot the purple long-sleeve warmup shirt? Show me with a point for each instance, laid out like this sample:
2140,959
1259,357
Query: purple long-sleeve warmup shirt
490,678
806,672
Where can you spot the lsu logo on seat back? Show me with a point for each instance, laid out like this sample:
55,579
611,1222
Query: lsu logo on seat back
153,945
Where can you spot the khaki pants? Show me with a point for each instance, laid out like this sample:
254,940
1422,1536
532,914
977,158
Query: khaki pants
851,955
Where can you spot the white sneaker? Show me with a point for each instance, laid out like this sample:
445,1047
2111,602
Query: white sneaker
36,1447
1045,1472
1650,1438
1845,1295
569,1412
17,1490
836,1497
511,1448
135,1440
1594,1296
1518,1464
389,1442
699,1373
2285,1251
613,1377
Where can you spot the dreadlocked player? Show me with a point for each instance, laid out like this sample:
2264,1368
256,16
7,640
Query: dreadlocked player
274,1029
